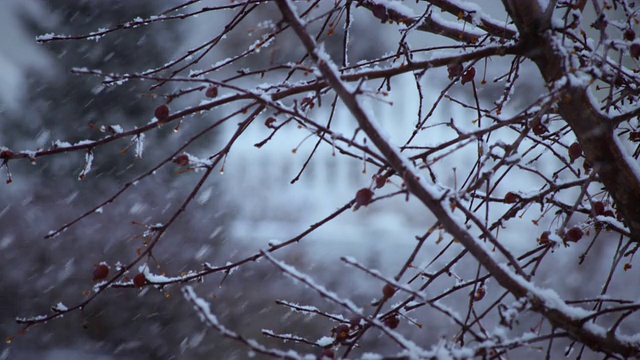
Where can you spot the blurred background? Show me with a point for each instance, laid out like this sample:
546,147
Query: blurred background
238,212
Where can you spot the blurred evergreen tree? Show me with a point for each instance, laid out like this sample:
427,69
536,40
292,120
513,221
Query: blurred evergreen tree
59,106
40,273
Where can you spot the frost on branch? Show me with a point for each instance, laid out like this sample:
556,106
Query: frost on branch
487,151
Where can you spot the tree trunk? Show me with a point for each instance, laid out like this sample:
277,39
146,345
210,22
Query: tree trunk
616,170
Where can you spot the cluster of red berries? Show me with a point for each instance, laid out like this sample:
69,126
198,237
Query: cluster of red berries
101,272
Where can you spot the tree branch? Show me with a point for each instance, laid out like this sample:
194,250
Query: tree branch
619,173
551,306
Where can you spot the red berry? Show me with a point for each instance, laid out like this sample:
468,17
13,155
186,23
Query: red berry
139,280
100,272
181,160
162,113
544,237
388,290
629,34
342,332
307,102
539,129
600,23
212,91
608,213
380,11
575,151
468,75
597,208
269,122
480,293
380,181
511,198
363,197
392,322
574,234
